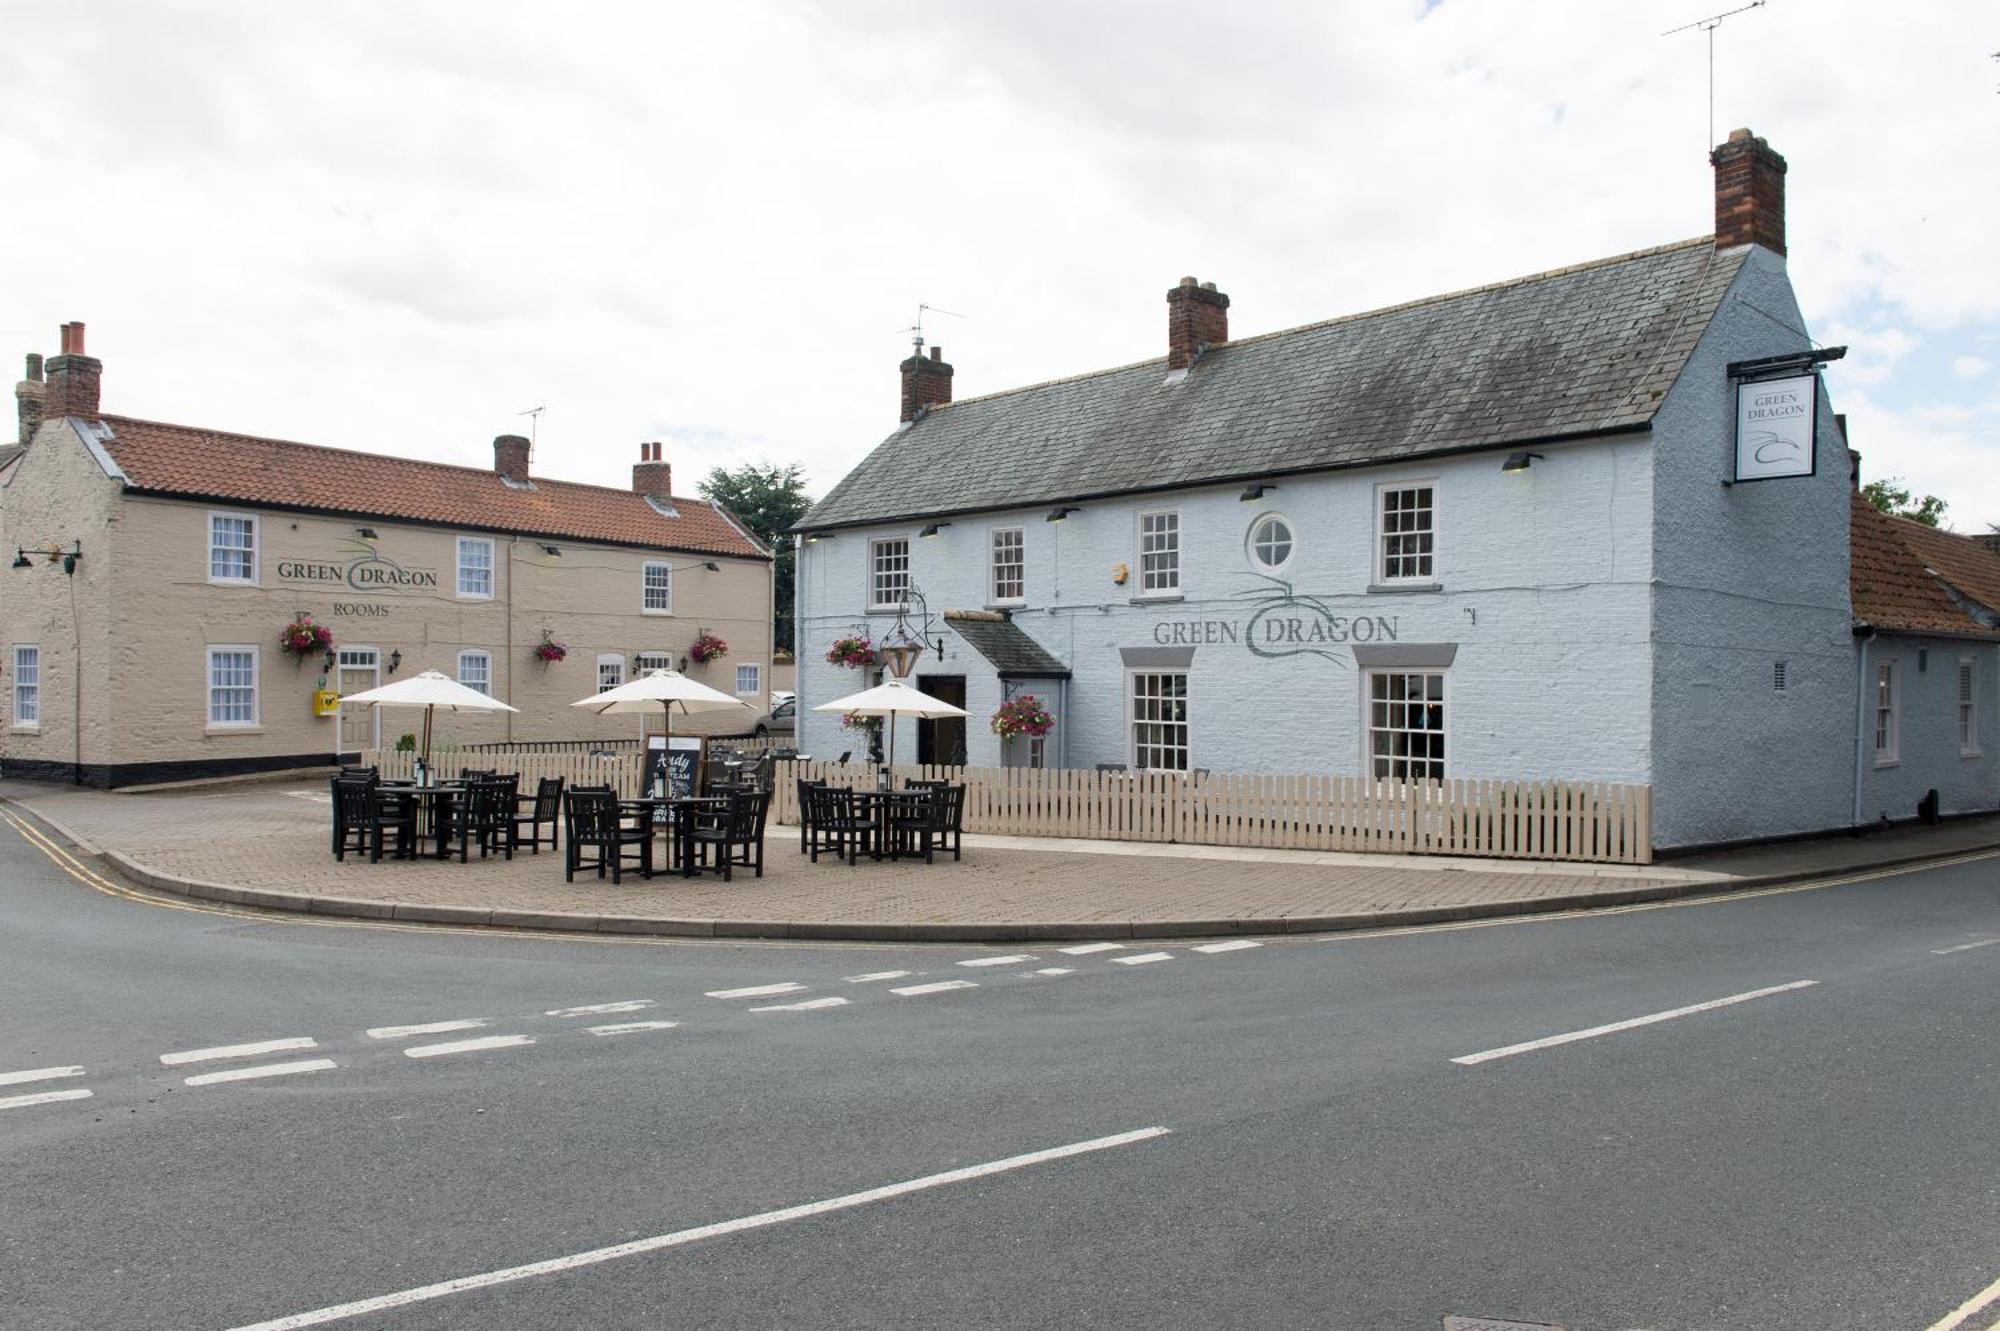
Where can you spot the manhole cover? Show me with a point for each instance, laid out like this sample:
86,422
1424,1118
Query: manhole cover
1489,1324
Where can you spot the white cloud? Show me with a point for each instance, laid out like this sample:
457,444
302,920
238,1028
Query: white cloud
394,226
1970,367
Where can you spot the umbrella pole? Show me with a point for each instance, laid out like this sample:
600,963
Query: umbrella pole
428,712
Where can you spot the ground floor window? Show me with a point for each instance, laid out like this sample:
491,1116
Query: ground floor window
645,663
610,672
27,685
750,679
1968,707
1160,720
475,671
1038,751
1406,725
1885,711
232,686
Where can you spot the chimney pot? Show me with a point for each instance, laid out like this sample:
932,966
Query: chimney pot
72,379
34,367
937,353
510,456
1749,193
1197,317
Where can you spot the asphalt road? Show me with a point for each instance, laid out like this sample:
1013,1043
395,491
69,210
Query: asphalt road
1820,1156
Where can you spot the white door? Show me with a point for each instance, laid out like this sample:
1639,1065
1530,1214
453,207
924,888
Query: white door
358,726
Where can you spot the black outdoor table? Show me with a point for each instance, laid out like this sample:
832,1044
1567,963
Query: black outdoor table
683,826
427,800
881,806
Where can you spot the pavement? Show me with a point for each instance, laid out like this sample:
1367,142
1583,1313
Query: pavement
264,844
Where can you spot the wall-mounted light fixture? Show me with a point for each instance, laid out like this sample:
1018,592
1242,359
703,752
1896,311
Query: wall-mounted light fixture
932,530
55,554
712,566
1057,515
815,537
555,550
1518,461
330,659
366,533
1256,491
395,659
682,667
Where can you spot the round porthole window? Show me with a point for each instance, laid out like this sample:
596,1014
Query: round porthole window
1270,542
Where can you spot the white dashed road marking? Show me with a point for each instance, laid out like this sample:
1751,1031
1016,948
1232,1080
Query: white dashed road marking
428,1028
810,1005
758,990
1233,945
878,975
261,1070
996,961
239,1050
468,1046
1487,1056
1963,947
631,1027
597,1009
1142,959
38,1074
43,1098
911,991
1085,949
1056,970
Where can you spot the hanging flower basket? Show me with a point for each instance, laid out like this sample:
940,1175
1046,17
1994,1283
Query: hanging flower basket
302,638
868,725
1024,715
852,652
550,649
707,647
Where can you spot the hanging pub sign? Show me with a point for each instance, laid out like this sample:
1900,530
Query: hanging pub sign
1774,427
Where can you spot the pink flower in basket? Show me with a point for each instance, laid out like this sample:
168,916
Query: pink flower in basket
1024,715
303,638
550,649
853,652
707,647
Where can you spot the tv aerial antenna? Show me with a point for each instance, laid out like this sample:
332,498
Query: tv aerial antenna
534,415
1709,25
916,330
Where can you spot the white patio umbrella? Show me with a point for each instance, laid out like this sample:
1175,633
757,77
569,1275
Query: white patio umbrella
891,698
662,691
430,691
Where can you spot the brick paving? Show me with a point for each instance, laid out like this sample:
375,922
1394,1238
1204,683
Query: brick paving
274,836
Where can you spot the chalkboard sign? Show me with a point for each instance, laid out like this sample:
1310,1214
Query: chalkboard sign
675,770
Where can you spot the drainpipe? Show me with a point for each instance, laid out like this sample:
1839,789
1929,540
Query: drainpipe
1865,633
513,548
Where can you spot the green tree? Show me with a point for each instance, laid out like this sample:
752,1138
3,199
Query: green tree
1894,498
768,499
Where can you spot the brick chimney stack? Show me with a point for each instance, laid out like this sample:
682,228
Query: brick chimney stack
28,395
1749,193
510,456
652,474
1197,317
72,379
926,384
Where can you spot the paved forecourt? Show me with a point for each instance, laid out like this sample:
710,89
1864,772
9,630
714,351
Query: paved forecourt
273,837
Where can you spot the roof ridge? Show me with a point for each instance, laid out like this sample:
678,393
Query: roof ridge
1357,316
386,457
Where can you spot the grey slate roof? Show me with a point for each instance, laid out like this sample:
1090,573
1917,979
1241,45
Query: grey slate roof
1578,351
1004,643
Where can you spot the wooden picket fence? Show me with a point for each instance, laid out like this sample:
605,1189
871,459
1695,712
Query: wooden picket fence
1550,820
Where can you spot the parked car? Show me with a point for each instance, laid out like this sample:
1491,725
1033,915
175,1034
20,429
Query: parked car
782,719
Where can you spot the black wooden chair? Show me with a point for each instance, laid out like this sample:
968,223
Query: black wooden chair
483,816
806,810
361,774
840,824
593,824
735,830
533,811
929,821
364,815
477,773
350,814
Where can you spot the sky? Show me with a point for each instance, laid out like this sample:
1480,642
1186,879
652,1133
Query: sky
397,227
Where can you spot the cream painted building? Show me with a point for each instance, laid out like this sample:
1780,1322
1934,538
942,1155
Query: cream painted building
160,564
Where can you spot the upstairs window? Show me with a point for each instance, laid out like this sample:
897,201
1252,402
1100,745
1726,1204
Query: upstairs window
888,572
659,598
1407,533
1270,543
475,567
1010,565
1159,552
232,547
27,686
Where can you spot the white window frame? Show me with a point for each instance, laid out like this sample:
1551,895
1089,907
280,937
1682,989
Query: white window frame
1250,543
1020,566
492,568
1369,729
1888,713
1170,584
485,659
1132,721
1967,682
609,659
644,663
256,542
875,545
1379,558
34,652
256,656
646,605
756,669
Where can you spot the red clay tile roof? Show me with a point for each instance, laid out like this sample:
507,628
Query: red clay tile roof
1899,571
211,464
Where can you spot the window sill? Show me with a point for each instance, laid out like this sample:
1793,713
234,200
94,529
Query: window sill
1158,598
232,582
1402,588
1970,754
662,614
1018,604
890,609
1888,762
233,730
34,729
